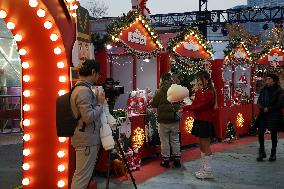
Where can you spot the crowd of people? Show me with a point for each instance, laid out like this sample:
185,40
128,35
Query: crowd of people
86,139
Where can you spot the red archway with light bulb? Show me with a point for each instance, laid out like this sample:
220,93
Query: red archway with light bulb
44,37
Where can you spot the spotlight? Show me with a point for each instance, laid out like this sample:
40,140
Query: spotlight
265,27
214,28
224,31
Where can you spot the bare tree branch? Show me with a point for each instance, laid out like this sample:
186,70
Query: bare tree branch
97,8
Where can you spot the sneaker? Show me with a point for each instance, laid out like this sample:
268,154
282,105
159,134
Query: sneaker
204,174
177,163
165,163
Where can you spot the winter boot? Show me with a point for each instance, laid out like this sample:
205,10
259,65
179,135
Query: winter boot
272,155
261,154
177,163
207,172
202,163
165,163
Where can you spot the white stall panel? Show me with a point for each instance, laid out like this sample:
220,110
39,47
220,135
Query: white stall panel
122,70
146,71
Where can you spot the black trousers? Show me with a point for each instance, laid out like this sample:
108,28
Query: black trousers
274,139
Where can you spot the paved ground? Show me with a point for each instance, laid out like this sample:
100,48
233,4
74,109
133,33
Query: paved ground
233,169
11,151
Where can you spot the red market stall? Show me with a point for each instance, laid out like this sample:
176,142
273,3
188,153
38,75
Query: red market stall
190,54
270,60
132,61
232,77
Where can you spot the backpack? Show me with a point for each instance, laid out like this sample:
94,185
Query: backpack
66,122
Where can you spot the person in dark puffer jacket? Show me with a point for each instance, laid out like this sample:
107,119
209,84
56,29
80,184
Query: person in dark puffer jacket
270,104
168,123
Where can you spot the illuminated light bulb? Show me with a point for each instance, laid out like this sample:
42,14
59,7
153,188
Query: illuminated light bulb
26,122
10,25
61,184
62,139
26,137
108,47
26,78
47,25
61,168
40,13
53,37
18,37
25,65
62,79
3,14
69,1
57,51
22,52
26,107
60,64
74,14
26,166
27,93
26,152
33,3
61,154
75,7
26,181
61,92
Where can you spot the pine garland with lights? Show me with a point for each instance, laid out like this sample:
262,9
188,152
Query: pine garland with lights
230,132
233,44
122,23
181,37
151,119
267,49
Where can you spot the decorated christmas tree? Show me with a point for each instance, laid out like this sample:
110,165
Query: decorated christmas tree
230,132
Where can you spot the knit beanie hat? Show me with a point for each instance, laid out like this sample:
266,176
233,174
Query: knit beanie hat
274,77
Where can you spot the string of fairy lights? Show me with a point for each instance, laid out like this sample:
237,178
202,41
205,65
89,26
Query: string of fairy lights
116,29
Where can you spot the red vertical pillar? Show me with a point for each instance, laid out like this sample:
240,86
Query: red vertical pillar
134,72
101,57
164,62
158,69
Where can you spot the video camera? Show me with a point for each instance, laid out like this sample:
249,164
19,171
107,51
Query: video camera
111,86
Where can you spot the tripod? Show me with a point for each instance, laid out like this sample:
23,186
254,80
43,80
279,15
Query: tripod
115,136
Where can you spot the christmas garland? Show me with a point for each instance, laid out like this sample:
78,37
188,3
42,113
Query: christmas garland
116,27
233,44
180,38
267,49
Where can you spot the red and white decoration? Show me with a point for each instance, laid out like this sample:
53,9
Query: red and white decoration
141,4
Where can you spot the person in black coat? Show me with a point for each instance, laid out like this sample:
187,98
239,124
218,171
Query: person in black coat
270,104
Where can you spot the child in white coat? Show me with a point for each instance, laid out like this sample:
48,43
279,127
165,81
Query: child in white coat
107,120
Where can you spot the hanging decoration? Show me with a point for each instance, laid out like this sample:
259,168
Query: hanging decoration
237,53
72,6
133,32
138,138
189,124
140,5
189,46
240,120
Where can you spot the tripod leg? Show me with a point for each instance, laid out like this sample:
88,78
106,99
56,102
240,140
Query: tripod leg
108,169
125,162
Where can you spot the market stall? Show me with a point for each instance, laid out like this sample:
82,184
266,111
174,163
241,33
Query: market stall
234,85
190,53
